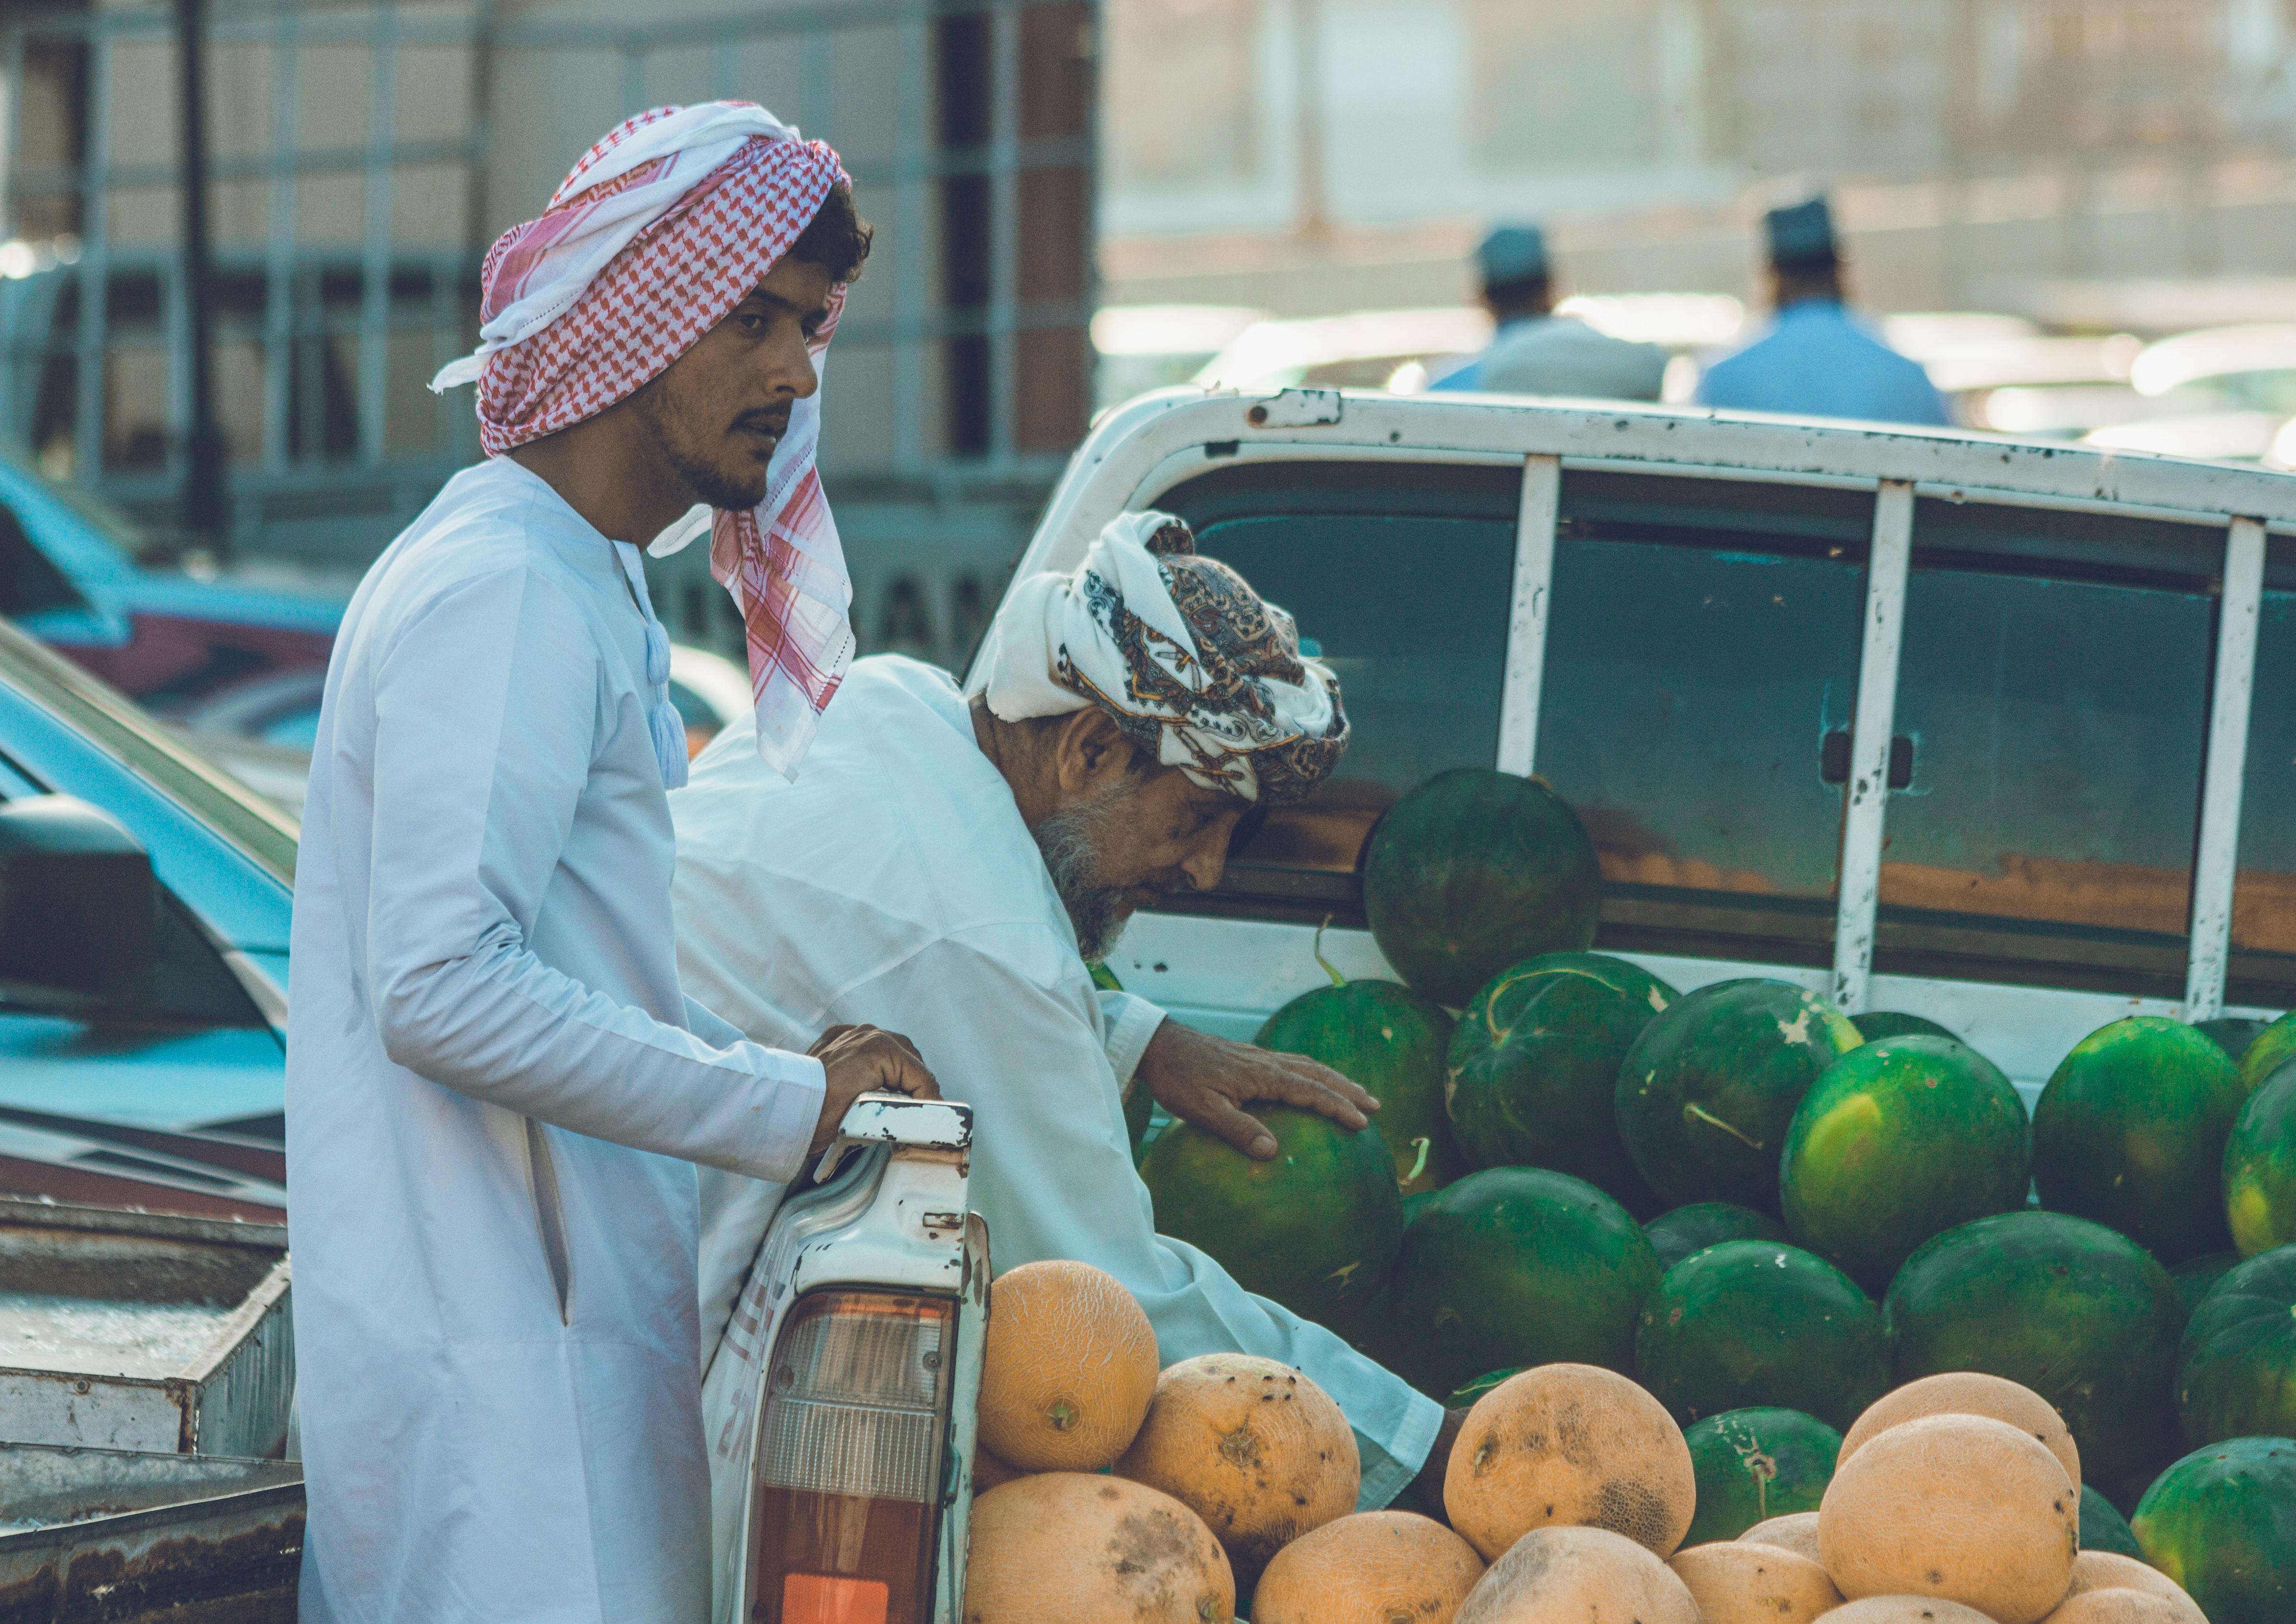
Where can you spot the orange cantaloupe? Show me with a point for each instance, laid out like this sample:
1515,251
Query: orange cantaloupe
1067,1369
1965,1508
1752,1584
1570,1446
989,1472
1797,1532
2120,1607
1255,1448
1371,1567
1563,1575
2110,1571
1905,1610
1078,1545
1968,1392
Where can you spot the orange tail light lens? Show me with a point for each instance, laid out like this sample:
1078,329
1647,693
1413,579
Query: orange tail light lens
848,1466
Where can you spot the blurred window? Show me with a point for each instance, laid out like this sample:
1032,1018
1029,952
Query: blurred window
1704,639
29,582
1401,578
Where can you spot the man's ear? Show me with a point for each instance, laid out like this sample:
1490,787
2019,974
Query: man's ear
1090,750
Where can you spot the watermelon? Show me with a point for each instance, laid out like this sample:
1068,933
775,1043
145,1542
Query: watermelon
2232,1033
2195,1276
1897,1141
2259,1167
2222,1523
2084,1317
1753,1465
1675,1235
2237,1366
1475,870
1534,1067
1315,1229
1875,1024
1139,1110
2131,1130
1466,1396
1706,1092
1390,1041
2103,1528
2265,1051
1761,1322
1511,1267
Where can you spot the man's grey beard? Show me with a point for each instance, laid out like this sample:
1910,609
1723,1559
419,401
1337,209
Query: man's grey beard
1069,841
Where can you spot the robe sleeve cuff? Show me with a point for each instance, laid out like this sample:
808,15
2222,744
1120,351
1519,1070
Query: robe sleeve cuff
796,1087
1130,1021
1389,1468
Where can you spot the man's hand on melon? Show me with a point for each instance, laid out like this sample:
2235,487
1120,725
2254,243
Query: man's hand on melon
858,1060
1207,1082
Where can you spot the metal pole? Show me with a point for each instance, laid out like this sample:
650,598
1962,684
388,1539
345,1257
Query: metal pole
203,475
1867,804
2217,861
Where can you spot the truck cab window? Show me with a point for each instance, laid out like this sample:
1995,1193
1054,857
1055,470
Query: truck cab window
1401,579
2264,899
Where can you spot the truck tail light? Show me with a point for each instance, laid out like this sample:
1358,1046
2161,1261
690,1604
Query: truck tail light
842,1513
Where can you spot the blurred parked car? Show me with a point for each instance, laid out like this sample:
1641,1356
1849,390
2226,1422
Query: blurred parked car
144,899
68,576
1139,348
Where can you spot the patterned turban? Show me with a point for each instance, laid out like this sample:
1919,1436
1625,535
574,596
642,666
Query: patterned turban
1191,662
664,227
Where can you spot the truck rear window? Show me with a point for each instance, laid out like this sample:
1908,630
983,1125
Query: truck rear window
2264,899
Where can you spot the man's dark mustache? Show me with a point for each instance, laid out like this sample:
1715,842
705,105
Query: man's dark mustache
775,424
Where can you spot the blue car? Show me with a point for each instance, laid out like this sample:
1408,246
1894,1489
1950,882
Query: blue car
144,900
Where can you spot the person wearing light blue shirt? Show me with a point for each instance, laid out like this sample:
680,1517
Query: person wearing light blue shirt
1537,352
1818,358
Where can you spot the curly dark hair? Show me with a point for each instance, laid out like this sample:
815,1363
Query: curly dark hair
838,238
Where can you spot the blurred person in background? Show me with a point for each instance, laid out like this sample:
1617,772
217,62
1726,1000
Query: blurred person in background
1537,352
1817,358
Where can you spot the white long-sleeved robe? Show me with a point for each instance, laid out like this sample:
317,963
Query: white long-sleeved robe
949,931
495,1092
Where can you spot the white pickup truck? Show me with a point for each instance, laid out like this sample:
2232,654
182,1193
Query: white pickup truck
2000,734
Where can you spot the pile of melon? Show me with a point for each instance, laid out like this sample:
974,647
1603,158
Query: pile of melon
1762,1210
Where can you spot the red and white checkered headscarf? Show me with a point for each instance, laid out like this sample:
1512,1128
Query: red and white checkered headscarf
665,226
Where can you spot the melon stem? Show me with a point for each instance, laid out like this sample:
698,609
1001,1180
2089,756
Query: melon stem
1420,1166
1337,978
1704,1115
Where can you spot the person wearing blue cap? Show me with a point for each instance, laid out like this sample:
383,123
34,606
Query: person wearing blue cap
1537,352
1817,358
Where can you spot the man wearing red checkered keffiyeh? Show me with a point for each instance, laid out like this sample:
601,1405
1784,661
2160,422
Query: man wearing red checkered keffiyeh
496,1087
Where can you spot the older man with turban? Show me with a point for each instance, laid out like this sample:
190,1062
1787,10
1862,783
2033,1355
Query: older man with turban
977,849
496,1087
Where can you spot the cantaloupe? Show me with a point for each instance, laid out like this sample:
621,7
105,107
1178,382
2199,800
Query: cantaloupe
1965,1508
1969,1392
1372,1567
1067,1369
2119,1607
1572,1445
1906,1610
989,1472
1577,1576
1752,1584
1075,1544
1796,1532
2110,1570
1258,1450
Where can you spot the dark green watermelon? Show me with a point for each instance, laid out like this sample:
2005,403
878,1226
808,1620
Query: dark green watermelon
1875,1024
1753,1465
1761,1324
2130,1132
1315,1229
1467,1394
2195,1276
2237,1366
2084,1317
2259,1168
1139,1108
1706,1092
2267,1050
1475,870
1900,1140
1534,1067
1675,1235
2232,1033
1390,1042
2222,1523
1512,1267
2103,1528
